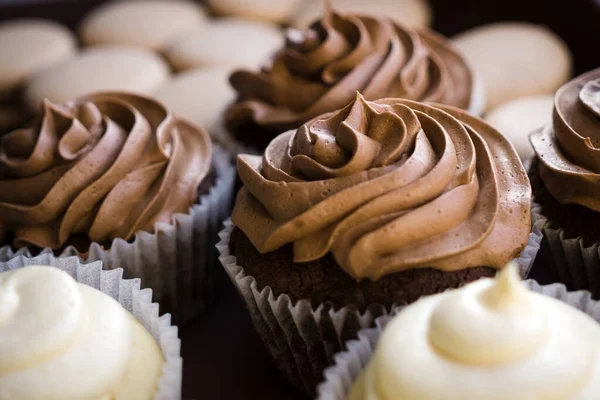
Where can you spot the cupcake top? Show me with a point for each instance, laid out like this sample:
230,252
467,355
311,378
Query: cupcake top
492,339
569,148
321,68
106,166
386,186
60,339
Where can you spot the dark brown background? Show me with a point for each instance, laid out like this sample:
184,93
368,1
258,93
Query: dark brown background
223,357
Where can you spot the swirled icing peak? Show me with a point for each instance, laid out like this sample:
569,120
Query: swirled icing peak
106,165
492,339
63,340
569,148
321,68
387,186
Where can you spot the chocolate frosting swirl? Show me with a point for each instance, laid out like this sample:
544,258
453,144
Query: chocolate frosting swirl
321,68
569,149
107,165
386,186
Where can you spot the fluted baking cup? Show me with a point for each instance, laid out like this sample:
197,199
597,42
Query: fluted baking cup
339,378
303,339
569,260
178,261
137,301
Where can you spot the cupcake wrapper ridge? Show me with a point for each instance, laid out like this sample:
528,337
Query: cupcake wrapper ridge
339,378
572,262
137,301
303,339
178,261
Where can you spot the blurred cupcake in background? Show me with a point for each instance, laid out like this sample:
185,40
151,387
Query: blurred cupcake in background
150,24
118,177
73,331
99,68
493,339
373,205
321,68
521,65
30,46
565,177
413,13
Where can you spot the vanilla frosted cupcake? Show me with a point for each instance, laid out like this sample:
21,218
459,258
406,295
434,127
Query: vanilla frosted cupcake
120,178
492,339
321,68
65,340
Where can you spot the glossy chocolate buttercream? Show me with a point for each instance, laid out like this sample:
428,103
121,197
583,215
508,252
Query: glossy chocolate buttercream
569,148
386,186
320,69
107,165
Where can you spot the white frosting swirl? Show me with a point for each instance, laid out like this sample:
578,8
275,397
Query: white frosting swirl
64,340
492,340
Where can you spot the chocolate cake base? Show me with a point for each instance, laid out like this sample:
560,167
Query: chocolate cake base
324,280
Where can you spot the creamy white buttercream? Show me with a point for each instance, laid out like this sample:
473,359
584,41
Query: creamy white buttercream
63,340
493,340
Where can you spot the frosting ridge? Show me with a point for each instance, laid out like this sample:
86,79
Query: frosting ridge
546,349
319,70
80,163
386,186
569,148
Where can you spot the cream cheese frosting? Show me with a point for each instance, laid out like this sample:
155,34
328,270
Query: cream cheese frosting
107,165
387,186
569,148
321,68
493,340
63,340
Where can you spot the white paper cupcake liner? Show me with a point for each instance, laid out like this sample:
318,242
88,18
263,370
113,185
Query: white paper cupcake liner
302,339
339,378
178,261
137,301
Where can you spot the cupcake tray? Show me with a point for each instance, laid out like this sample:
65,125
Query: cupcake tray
223,356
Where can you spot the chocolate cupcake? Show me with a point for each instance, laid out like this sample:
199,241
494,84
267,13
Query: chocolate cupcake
493,339
320,69
374,205
117,177
565,178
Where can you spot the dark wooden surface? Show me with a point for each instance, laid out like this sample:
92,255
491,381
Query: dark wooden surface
223,356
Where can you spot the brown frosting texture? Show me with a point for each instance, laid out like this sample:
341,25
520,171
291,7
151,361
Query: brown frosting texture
320,69
569,149
386,186
107,165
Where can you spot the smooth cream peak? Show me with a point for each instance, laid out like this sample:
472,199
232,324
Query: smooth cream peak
488,325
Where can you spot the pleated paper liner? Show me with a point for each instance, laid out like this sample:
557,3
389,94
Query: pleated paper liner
178,261
349,364
573,260
137,301
301,339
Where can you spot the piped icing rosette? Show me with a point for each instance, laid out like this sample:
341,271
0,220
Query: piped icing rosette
60,339
569,148
321,68
493,340
386,186
107,165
